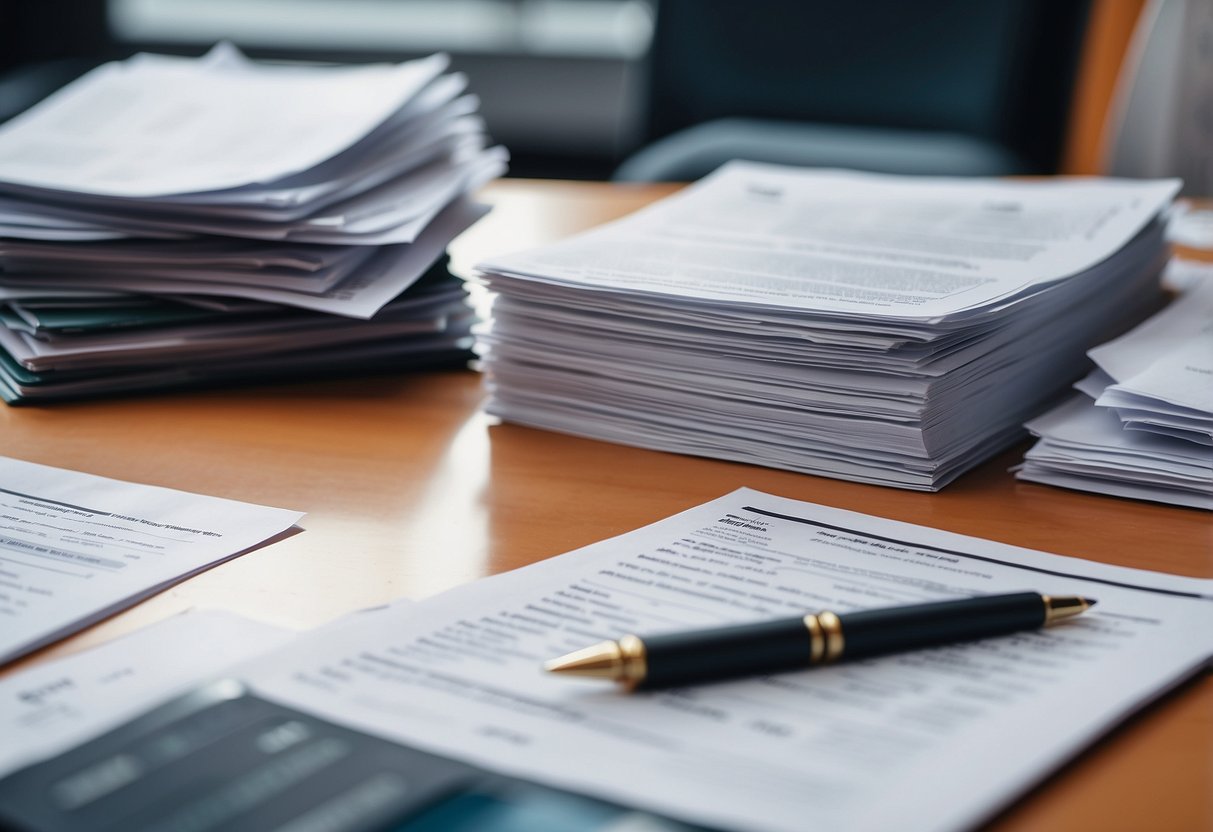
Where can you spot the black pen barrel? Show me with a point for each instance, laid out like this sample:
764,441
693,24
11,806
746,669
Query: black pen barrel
793,643
875,632
725,652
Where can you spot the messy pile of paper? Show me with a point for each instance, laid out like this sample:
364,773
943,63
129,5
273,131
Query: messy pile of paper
1144,427
169,220
881,329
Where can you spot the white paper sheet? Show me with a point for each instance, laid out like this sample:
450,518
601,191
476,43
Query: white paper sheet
1088,448
150,126
1078,423
1163,370
1188,318
386,275
1182,275
902,742
54,706
852,243
75,548
1117,487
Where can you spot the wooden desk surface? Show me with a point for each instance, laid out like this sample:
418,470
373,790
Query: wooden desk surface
410,490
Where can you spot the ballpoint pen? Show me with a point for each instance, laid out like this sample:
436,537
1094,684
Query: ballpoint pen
805,641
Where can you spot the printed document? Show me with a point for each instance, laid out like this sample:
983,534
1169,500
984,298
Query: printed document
156,124
913,248
54,706
1162,371
75,548
929,740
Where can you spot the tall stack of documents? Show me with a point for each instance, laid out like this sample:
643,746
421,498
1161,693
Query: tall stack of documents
169,220
1144,427
875,328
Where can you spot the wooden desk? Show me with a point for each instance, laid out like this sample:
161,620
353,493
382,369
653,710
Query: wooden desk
410,490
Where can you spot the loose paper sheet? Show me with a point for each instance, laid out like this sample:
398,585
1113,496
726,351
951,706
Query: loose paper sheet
75,548
60,704
901,742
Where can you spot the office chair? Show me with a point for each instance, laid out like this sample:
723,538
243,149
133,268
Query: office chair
45,45
931,87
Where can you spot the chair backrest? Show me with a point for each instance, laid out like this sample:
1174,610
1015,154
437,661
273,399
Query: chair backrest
1000,70
49,30
46,44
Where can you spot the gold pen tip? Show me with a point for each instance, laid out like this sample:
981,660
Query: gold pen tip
1060,607
601,661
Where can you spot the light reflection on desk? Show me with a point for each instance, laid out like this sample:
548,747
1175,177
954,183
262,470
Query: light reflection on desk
446,531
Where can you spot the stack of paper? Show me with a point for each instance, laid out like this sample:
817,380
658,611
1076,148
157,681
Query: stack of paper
165,220
875,328
1149,431
1159,377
